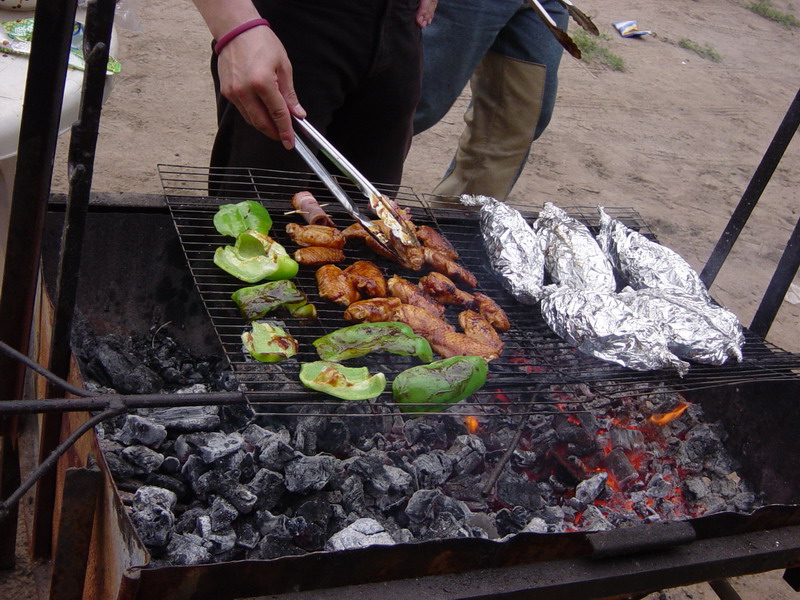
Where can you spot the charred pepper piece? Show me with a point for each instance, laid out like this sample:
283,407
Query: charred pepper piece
429,388
269,342
363,338
233,219
255,302
255,257
347,383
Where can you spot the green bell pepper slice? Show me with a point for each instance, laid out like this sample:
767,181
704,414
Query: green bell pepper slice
440,383
269,342
233,219
363,338
255,302
347,383
256,257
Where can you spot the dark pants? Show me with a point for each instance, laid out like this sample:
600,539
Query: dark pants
357,68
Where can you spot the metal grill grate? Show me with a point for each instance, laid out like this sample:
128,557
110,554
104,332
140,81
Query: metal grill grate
533,358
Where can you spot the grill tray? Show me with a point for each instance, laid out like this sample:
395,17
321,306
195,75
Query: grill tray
533,356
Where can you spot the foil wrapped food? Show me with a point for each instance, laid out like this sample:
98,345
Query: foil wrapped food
695,330
572,254
515,250
643,263
602,325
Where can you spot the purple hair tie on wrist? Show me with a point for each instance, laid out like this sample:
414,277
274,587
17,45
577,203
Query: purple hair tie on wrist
236,32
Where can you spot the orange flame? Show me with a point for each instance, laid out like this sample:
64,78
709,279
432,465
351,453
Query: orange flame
670,416
471,423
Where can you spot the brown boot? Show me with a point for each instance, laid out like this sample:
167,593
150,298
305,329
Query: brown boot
501,121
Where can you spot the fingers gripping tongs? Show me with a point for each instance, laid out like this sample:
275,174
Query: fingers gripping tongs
386,211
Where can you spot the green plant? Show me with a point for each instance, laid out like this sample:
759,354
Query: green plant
766,10
593,50
706,51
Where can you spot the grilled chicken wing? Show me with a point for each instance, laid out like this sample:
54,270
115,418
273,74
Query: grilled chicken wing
314,256
421,321
492,312
373,310
453,343
411,294
442,289
315,235
478,328
435,241
335,286
441,263
367,278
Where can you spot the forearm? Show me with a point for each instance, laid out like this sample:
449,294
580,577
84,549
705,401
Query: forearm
223,15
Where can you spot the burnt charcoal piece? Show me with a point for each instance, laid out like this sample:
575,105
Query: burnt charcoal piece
373,473
192,470
433,468
593,520
515,490
152,515
627,439
467,454
278,534
187,522
186,419
658,487
140,430
511,521
360,534
334,438
621,468
418,431
222,514
240,496
120,468
114,368
573,434
426,505
353,494
143,458
214,445
268,486
588,490
187,549
275,453
173,484
247,535
309,473
220,542
171,465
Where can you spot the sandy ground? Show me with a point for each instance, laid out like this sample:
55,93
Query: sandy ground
675,136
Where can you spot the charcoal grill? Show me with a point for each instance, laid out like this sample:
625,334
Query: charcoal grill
753,400
529,345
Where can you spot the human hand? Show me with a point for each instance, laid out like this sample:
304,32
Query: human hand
256,76
425,12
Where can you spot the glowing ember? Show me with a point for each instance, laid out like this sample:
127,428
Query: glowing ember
471,423
668,417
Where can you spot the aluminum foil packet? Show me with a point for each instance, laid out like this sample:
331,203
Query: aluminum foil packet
643,263
515,250
572,256
696,330
602,325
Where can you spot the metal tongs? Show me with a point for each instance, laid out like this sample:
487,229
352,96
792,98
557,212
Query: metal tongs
399,229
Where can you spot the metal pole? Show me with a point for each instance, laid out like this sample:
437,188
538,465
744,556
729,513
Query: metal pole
47,70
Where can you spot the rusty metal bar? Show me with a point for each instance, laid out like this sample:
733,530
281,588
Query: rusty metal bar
772,157
44,90
79,495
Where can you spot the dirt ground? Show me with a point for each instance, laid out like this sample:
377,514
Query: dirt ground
675,136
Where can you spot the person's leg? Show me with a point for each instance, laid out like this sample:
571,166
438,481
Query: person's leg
373,126
454,43
527,38
514,90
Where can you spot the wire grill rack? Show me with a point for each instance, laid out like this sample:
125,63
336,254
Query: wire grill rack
533,359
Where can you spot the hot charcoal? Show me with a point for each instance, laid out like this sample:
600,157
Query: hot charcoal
210,485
